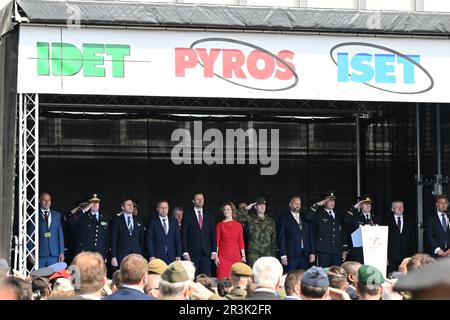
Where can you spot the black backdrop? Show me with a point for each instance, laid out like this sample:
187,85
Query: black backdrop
123,156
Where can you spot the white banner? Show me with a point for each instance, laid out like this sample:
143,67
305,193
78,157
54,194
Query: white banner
233,65
375,246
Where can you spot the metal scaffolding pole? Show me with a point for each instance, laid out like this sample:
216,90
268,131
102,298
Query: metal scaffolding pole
438,179
419,183
358,155
28,199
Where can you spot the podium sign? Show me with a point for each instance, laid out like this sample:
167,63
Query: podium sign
375,246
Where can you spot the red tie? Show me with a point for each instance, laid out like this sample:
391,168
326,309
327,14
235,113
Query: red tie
200,219
399,224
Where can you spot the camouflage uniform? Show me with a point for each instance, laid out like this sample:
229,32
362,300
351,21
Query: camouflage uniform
262,240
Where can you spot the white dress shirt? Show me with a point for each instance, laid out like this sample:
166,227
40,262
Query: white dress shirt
126,215
330,212
401,221
166,222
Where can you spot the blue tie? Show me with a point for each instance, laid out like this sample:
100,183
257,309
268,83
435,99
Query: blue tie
130,225
444,222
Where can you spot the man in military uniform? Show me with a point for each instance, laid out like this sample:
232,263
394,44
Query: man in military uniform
91,228
358,215
262,240
330,238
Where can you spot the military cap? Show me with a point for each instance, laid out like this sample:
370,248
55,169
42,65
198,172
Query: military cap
156,266
60,274
429,276
260,200
42,272
315,277
329,196
93,199
175,273
240,269
369,275
365,198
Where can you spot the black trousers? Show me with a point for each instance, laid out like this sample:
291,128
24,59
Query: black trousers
326,260
202,264
356,258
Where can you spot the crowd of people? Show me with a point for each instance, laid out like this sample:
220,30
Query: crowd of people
299,240
418,277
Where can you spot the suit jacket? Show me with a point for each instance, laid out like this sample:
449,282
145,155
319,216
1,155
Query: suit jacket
264,295
329,233
195,241
435,234
162,246
48,246
290,236
122,243
353,221
90,234
128,294
400,245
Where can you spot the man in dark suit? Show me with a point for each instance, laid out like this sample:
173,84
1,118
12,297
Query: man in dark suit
178,216
198,233
127,234
295,238
133,270
163,237
330,239
51,238
401,241
437,229
358,215
91,228
267,272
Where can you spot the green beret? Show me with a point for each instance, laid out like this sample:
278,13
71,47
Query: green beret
240,269
156,266
175,273
369,275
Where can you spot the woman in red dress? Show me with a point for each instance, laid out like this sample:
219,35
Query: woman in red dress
230,242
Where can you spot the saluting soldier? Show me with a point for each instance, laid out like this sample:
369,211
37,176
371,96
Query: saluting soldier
358,215
330,239
91,227
262,241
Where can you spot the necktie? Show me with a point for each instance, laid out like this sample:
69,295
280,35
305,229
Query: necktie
165,225
130,225
46,216
444,222
200,219
399,224
331,214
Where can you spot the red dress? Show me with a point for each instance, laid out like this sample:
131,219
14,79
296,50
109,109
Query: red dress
230,241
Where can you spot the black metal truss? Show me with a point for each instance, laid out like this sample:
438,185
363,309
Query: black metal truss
140,106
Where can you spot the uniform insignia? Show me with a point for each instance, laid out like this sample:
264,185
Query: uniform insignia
325,220
104,223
